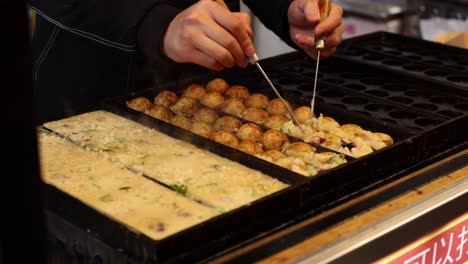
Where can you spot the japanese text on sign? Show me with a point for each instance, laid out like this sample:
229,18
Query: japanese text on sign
448,244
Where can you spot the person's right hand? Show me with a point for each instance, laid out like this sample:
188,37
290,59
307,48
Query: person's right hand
209,35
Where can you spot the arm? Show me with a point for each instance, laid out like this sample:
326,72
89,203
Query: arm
113,23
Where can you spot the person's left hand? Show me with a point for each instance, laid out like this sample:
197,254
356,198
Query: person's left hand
304,18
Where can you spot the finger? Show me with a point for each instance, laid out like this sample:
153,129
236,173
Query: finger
202,59
232,24
311,52
214,50
227,41
246,20
325,53
334,39
311,11
304,40
331,22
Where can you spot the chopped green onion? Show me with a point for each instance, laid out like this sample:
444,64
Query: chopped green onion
180,188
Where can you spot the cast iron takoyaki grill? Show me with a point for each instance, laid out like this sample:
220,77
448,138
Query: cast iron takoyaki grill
427,119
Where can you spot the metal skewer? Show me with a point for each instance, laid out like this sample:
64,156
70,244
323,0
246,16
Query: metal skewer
320,45
254,60
324,8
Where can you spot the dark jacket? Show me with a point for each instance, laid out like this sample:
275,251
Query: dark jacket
87,50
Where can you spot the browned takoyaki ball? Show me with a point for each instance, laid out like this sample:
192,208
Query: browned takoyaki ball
384,138
273,140
275,121
185,106
181,121
228,124
255,115
165,98
299,150
250,147
160,112
276,107
332,141
203,129
195,91
237,91
257,100
351,129
226,138
302,114
212,100
217,85
140,104
206,114
273,155
233,106
249,131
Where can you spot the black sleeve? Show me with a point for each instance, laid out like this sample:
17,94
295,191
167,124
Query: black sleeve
111,22
274,15
123,24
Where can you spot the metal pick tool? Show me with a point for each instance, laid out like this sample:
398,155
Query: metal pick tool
324,8
319,44
254,60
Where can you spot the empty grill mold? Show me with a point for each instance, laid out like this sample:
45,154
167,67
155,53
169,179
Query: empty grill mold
415,57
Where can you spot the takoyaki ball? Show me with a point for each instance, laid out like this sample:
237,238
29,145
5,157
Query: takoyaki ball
273,140
195,91
205,114
165,98
275,121
300,150
272,155
276,107
302,114
237,91
350,130
185,106
388,140
160,112
255,115
233,106
327,124
257,100
228,124
332,142
140,104
212,100
291,163
217,85
249,131
226,138
181,121
203,129
250,147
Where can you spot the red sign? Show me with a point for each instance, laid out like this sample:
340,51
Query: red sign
448,244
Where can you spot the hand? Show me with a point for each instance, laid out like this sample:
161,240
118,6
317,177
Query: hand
209,35
304,18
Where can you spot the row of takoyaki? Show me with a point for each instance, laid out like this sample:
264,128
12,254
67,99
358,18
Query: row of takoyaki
205,103
271,145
